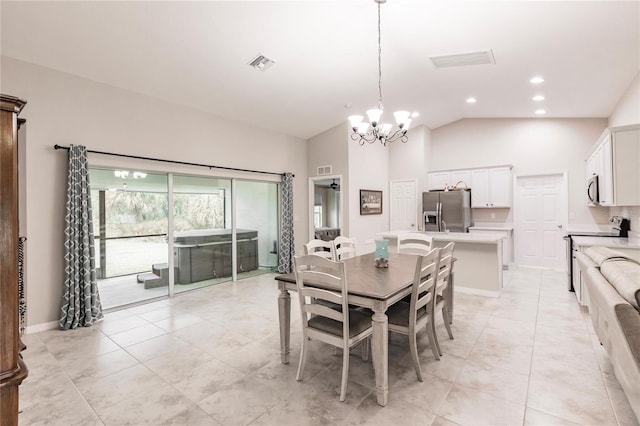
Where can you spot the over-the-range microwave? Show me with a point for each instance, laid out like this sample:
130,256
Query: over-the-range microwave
593,193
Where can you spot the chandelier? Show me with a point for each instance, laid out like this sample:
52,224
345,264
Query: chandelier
379,131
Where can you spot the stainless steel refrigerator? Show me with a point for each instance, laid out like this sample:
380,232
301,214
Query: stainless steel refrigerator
446,210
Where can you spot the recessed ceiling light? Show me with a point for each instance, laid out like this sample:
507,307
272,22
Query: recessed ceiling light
541,111
538,98
537,80
471,100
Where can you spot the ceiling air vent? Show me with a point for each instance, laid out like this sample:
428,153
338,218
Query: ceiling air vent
261,63
324,170
464,59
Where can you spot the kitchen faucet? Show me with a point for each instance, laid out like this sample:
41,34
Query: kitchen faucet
444,226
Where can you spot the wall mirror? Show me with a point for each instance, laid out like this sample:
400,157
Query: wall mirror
325,207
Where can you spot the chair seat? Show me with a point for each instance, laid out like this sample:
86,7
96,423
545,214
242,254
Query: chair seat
358,322
398,314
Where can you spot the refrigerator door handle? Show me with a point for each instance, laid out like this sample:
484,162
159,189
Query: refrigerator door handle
439,218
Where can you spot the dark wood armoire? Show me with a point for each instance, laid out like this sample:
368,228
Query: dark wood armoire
12,368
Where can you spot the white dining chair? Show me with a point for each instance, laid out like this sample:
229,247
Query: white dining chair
414,243
320,248
409,318
444,280
344,247
343,328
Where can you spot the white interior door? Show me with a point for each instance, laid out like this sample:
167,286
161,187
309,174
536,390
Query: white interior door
540,213
403,214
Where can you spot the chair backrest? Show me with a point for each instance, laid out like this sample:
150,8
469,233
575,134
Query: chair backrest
322,273
320,248
446,258
424,283
344,247
414,243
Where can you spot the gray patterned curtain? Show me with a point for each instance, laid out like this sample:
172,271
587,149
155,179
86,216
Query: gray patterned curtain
287,246
81,305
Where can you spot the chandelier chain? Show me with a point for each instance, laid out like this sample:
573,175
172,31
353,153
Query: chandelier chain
379,63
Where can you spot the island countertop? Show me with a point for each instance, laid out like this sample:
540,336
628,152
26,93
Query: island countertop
461,237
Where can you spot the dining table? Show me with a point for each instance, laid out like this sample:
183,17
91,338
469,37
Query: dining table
370,287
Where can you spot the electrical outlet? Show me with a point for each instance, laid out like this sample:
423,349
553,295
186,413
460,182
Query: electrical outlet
493,215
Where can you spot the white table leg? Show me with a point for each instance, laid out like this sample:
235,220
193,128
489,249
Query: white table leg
380,351
284,311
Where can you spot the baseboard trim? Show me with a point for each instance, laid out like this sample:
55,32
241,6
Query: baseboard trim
32,329
476,291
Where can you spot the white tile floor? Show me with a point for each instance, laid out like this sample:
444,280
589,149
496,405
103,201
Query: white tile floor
212,357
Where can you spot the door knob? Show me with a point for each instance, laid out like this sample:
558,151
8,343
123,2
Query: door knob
559,226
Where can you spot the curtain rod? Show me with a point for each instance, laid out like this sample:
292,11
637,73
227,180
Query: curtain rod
185,163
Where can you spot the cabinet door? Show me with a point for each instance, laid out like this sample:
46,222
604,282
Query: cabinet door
480,188
500,187
438,180
605,177
460,176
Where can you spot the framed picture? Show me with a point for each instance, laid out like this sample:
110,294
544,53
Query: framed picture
370,202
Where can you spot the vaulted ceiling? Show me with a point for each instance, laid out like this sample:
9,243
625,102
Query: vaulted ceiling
325,53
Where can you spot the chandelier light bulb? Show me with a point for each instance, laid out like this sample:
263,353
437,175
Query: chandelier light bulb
385,129
374,116
362,128
354,120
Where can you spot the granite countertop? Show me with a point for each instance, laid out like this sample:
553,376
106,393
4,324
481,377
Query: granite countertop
462,237
611,242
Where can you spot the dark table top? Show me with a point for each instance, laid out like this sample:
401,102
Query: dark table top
364,279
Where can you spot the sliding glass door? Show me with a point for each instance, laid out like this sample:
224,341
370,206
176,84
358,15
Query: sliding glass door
131,216
130,228
202,231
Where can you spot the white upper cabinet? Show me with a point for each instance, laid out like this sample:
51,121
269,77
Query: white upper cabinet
480,188
460,178
616,161
449,178
491,187
438,180
605,183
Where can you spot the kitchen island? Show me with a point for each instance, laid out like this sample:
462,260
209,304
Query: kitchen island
478,269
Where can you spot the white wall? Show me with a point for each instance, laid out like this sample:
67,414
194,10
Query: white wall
410,161
331,148
530,145
64,109
627,111
368,169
